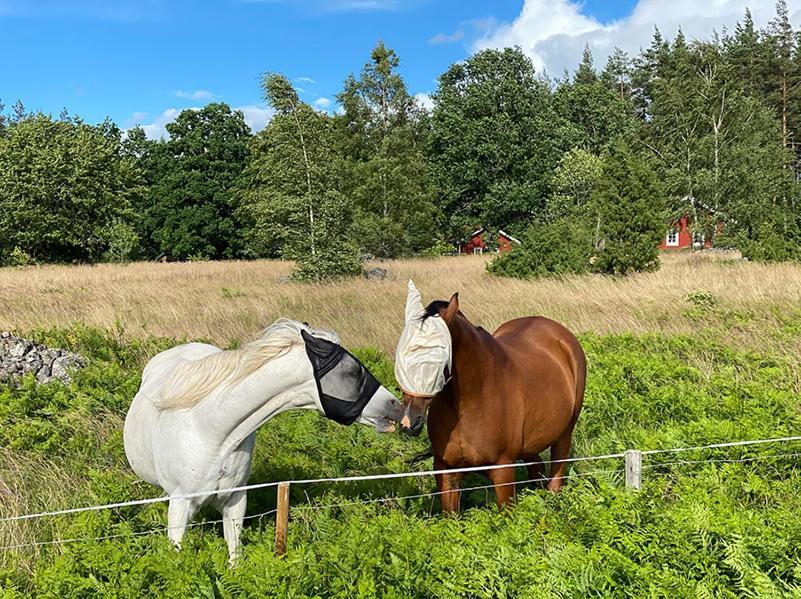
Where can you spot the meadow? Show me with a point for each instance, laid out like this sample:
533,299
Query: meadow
704,350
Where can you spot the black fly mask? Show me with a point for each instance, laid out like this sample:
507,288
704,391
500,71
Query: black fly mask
344,384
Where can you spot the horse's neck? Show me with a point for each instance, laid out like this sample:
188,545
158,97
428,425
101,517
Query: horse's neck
470,347
284,383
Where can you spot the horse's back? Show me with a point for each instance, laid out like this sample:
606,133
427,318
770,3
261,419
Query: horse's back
140,421
551,368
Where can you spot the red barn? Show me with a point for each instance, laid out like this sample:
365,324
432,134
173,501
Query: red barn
478,242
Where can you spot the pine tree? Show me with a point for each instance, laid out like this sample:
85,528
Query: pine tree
617,73
632,216
585,74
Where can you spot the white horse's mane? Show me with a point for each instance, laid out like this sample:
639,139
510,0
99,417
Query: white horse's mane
193,380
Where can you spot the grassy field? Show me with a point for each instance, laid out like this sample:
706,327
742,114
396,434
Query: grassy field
704,350
227,301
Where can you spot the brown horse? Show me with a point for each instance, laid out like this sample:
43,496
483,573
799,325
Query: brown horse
491,399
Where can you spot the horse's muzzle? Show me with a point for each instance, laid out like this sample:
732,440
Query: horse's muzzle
415,409
414,429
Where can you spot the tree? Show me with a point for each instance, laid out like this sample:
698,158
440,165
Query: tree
573,183
292,202
632,215
381,131
66,190
617,73
495,140
599,113
784,75
718,150
190,210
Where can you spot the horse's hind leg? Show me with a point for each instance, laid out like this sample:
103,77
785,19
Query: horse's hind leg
559,451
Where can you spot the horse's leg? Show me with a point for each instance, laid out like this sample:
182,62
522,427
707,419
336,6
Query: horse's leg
448,487
559,451
233,513
178,516
536,471
504,479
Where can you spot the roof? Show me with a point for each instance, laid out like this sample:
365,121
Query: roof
509,237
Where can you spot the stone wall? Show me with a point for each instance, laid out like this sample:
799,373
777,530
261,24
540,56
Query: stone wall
20,356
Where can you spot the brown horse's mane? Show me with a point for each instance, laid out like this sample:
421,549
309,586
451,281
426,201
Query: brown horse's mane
436,307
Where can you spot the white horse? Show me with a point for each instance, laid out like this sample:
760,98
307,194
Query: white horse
192,425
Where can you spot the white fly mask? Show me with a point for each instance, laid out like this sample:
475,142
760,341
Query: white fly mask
424,350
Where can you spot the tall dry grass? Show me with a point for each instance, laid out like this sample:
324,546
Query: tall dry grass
226,301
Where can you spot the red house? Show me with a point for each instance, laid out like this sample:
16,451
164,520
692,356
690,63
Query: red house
679,236
479,241
505,241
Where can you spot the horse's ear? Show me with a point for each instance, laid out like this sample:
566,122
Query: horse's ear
453,308
414,304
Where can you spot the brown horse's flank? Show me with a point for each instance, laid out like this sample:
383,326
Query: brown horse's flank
513,394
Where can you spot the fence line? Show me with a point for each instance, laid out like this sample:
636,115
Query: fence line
460,490
721,445
414,474
140,533
724,460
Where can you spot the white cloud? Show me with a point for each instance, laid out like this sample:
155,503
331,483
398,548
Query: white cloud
425,100
257,117
322,103
157,128
554,32
200,94
305,80
444,38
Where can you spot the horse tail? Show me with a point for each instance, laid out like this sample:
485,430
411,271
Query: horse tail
422,456
580,374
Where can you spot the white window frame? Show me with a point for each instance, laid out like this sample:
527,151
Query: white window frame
672,238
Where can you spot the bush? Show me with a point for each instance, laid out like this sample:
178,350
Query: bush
332,263
19,257
561,247
631,208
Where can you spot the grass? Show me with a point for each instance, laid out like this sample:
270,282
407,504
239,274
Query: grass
230,301
705,350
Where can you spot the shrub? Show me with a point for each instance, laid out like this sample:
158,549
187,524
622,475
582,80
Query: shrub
549,249
19,257
631,209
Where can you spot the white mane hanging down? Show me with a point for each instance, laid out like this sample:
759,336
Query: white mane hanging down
193,380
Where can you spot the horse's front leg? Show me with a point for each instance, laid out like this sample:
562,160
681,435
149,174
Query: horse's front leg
504,481
448,486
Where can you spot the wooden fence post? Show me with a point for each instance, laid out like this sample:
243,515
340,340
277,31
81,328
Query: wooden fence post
281,518
633,469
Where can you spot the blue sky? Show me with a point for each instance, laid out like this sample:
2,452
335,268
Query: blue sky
145,60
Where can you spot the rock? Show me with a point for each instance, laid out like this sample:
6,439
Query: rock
19,357
375,274
20,348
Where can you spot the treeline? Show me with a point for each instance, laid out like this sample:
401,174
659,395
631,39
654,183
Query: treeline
588,170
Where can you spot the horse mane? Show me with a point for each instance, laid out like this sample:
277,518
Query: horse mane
433,309
193,380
